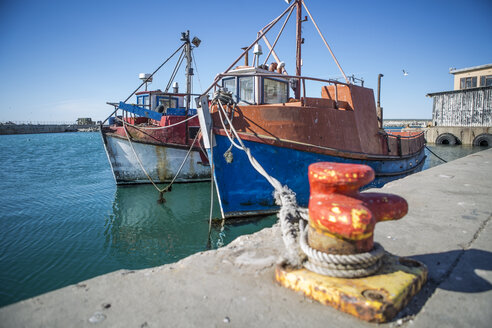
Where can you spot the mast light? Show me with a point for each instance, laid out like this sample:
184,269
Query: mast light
196,41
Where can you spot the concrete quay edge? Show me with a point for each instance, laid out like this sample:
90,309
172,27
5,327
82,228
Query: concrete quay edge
448,228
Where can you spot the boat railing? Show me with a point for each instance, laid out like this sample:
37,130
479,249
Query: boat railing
404,144
125,113
405,135
289,78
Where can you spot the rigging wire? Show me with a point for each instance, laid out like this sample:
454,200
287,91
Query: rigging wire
265,31
175,71
146,80
326,43
278,36
196,69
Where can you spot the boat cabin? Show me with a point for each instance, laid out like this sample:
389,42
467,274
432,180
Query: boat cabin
163,103
256,86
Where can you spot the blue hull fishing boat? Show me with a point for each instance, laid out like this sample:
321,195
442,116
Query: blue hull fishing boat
261,118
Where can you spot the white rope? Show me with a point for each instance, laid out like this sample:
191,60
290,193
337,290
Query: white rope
145,171
155,128
342,266
225,129
294,232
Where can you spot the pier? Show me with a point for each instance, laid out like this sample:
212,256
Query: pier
459,135
42,127
447,228
416,123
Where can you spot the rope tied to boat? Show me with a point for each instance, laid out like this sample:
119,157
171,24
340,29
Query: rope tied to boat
142,127
223,97
430,151
294,219
169,186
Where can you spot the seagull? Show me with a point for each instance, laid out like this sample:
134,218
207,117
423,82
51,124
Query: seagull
405,73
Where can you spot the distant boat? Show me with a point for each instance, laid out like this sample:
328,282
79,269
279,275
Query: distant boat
285,130
156,140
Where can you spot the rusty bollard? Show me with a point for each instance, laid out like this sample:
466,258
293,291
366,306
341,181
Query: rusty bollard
341,219
341,225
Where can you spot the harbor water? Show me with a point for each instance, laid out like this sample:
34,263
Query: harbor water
63,220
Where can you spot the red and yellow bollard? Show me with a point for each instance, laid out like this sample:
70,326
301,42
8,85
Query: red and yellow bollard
341,226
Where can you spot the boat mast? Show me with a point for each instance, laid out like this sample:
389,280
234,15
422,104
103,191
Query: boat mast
185,36
298,47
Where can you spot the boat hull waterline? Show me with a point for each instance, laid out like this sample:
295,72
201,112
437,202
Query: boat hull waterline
161,162
254,195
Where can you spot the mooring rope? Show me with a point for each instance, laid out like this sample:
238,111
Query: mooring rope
342,266
293,221
445,161
169,186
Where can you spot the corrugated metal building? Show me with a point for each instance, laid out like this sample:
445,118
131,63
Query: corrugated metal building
470,103
463,115
467,107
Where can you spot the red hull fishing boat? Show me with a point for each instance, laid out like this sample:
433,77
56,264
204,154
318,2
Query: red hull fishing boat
261,116
156,139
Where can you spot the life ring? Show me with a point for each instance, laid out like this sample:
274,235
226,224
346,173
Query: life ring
483,140
447,139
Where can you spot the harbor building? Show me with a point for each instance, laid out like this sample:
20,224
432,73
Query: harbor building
472,77
464,115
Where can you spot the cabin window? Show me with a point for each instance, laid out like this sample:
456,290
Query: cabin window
163,103
246,89
168,102
230,85
274,91
468,82
143,100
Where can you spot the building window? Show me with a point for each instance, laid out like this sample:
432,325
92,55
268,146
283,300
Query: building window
486,81
468,82
274,91
246,89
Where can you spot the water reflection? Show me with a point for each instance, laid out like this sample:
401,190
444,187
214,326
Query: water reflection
141,233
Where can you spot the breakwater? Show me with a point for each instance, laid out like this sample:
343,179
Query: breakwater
422,123
44,128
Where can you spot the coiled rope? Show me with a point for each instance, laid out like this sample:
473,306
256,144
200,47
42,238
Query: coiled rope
293,220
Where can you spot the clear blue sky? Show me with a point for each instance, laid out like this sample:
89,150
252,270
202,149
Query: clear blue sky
60,60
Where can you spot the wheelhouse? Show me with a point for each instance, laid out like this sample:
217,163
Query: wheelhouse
164,103
256,86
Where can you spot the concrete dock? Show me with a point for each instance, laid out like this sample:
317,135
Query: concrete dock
448,228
